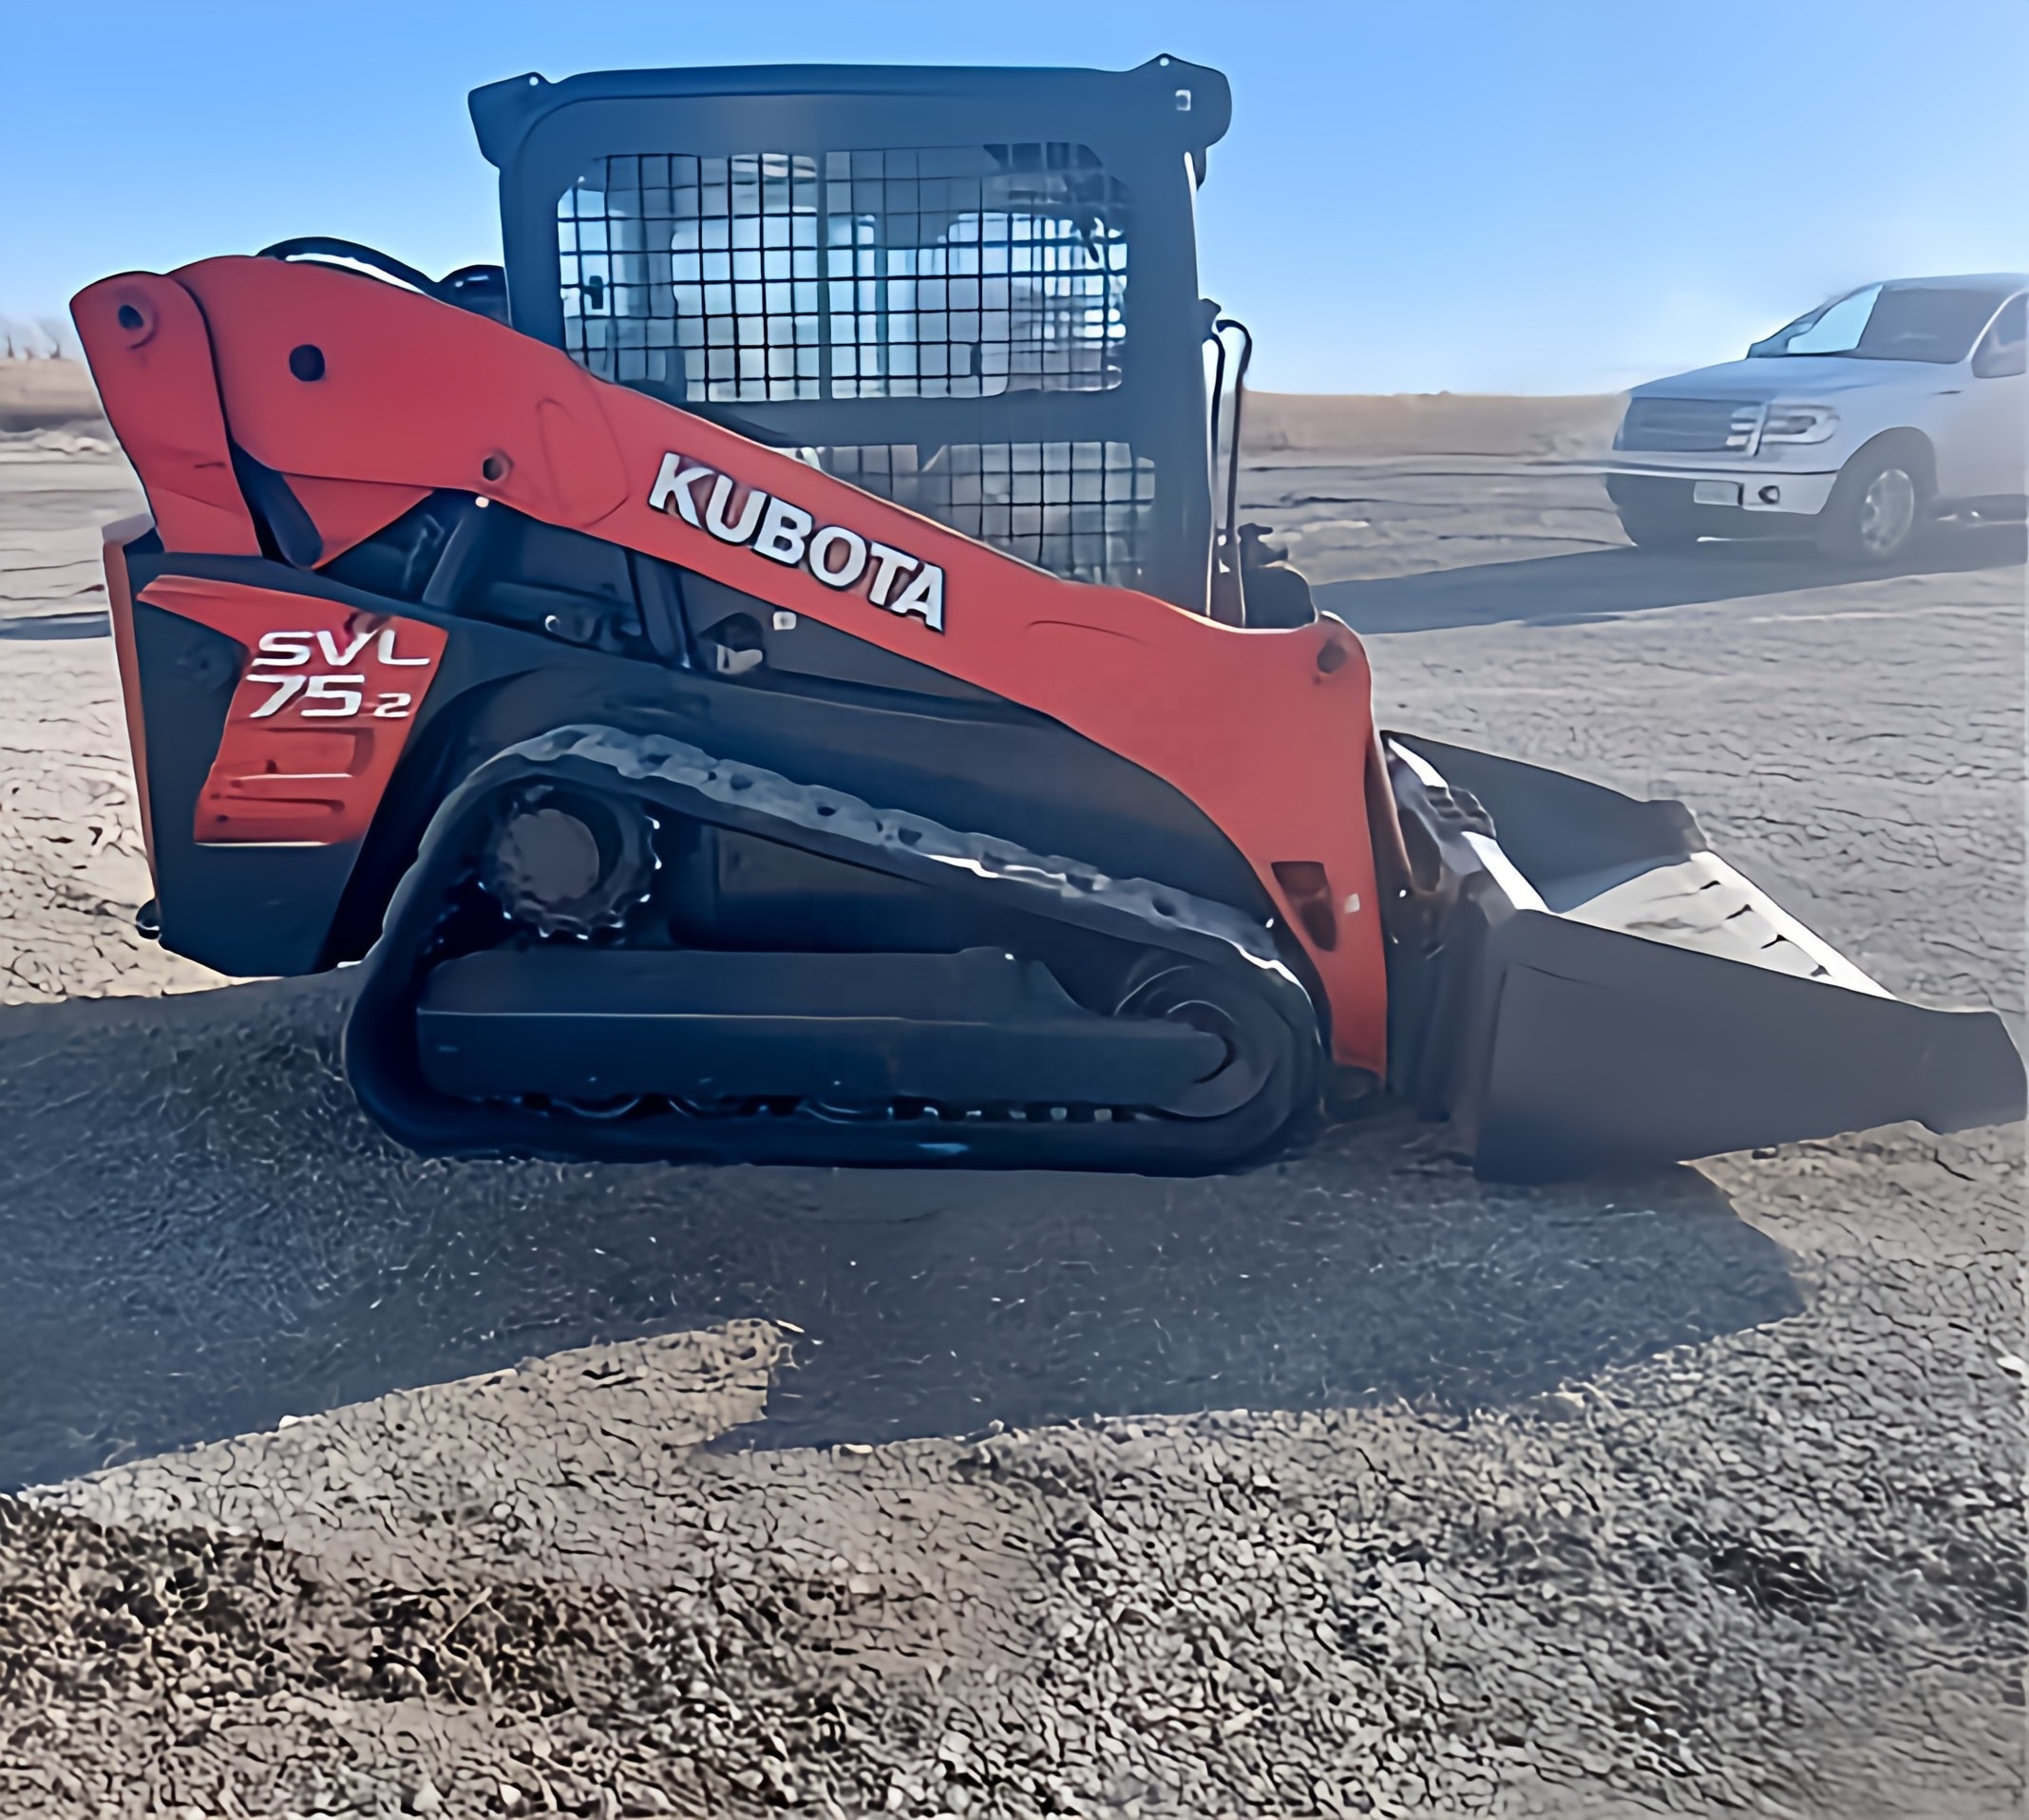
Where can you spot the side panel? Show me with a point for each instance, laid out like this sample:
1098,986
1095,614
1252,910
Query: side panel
240,910
325,700
1267,732
252,908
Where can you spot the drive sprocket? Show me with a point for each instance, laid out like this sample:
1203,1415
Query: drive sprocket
568,862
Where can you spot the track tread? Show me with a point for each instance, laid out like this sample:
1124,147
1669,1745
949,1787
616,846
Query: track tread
684,780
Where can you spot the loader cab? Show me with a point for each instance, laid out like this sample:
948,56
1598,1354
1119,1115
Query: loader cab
971,291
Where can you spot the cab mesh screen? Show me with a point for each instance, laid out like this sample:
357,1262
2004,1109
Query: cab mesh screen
955,272
1078,509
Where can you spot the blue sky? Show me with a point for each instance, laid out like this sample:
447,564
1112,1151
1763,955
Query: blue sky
1415,195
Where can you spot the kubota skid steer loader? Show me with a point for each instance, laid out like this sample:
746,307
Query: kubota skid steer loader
758,678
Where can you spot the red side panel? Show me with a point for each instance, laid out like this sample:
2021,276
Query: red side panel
1267,732
152,360
321,714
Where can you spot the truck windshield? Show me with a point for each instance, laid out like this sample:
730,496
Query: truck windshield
1928,322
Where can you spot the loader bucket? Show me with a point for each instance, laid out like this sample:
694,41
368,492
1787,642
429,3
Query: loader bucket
1593,989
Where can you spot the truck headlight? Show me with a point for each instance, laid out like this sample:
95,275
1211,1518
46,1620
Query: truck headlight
1798,424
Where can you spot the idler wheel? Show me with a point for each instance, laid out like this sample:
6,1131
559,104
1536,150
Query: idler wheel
567,863
1192,993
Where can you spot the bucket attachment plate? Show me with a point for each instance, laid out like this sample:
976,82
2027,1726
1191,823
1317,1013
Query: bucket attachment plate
1582,985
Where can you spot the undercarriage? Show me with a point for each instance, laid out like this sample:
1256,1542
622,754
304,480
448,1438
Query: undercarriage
617,945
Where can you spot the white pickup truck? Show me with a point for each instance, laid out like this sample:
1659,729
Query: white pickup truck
1891,404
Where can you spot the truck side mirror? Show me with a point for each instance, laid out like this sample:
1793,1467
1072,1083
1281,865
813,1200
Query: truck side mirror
2000,360
2002,350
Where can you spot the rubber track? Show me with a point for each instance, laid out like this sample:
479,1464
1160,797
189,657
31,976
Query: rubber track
684,780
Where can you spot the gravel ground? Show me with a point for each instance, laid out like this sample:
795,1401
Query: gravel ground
1349,1486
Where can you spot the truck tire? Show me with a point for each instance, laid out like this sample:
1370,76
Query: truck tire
1875,505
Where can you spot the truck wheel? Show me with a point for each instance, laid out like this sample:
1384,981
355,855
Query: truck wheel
1872,508
1655,530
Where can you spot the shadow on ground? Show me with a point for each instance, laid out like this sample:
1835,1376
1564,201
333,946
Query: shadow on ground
203,1234
1602,584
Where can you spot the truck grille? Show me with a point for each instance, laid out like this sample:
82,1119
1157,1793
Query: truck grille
1690,424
